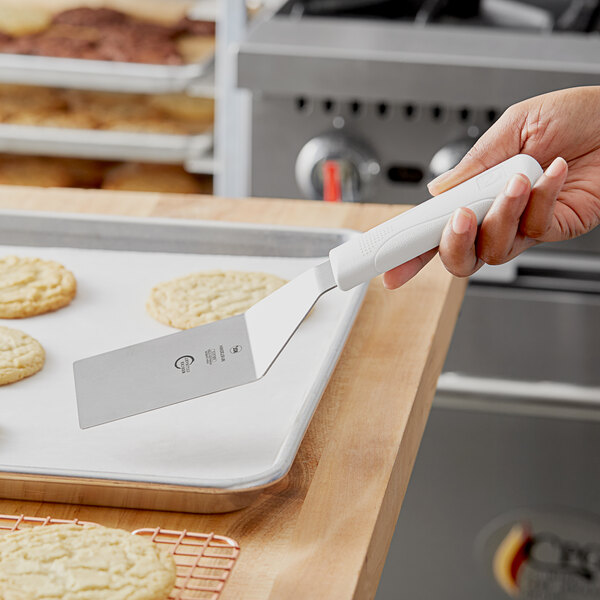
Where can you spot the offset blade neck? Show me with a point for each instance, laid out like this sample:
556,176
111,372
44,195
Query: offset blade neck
273,321
324,275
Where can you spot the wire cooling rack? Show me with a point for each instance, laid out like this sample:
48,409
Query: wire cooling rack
203,560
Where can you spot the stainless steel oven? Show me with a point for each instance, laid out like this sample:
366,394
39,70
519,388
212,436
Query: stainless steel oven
398,91
394,93
513,439
479,475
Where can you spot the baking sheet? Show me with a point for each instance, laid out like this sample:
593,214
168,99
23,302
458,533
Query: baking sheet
237,438
108,76
193,149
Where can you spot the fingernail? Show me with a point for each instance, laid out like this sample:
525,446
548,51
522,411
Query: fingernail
440,179
556,168
461,221
516,186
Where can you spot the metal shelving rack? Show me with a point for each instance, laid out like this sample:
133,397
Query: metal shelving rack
233,109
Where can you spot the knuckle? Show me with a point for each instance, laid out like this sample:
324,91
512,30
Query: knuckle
491,257
514,115
456,267
462,273
513,111
534,230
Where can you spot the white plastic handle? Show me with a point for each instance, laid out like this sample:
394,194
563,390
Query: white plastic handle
420,229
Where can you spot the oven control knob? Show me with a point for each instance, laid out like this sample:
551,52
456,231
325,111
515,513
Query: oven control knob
357,167
448,156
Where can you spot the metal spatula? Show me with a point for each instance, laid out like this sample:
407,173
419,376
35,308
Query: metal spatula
241,349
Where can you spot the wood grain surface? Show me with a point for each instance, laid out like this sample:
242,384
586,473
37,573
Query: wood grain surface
325,530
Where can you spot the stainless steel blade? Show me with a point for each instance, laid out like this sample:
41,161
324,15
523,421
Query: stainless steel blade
163,371
196,362
272,321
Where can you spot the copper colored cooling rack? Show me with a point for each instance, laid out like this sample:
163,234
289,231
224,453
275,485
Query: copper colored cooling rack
203,560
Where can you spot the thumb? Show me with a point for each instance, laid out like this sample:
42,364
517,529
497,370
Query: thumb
499,142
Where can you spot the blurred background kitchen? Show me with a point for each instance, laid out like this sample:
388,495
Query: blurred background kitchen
360,101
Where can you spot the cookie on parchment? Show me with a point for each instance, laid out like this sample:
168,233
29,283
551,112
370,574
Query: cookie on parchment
32,286
75,562
20,356
200,298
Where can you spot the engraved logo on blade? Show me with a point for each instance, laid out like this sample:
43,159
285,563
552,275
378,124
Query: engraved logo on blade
183,363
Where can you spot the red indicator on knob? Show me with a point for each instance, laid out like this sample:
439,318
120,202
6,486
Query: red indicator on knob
332,187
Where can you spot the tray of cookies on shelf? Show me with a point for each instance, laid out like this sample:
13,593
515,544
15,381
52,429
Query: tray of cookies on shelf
171,128
149,46
67,172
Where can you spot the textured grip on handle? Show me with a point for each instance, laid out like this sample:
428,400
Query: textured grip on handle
420,229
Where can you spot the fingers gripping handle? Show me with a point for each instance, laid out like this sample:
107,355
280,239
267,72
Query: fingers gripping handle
420,229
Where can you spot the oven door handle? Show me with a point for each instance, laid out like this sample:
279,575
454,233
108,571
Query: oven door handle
535,398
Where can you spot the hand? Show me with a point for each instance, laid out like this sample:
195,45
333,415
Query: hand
563,204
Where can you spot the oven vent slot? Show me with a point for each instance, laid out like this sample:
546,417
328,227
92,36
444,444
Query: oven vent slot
405,174
356,108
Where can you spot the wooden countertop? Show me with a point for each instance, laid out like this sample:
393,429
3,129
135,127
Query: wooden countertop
325,530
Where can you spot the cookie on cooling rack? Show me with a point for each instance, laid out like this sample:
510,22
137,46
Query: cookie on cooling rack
20,356
32,286
76,562
207,296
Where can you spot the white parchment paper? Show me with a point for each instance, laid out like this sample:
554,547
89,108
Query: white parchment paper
232,439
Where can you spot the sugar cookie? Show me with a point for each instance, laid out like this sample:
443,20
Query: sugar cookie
200,298
32,286
75,562
168,179
20,356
